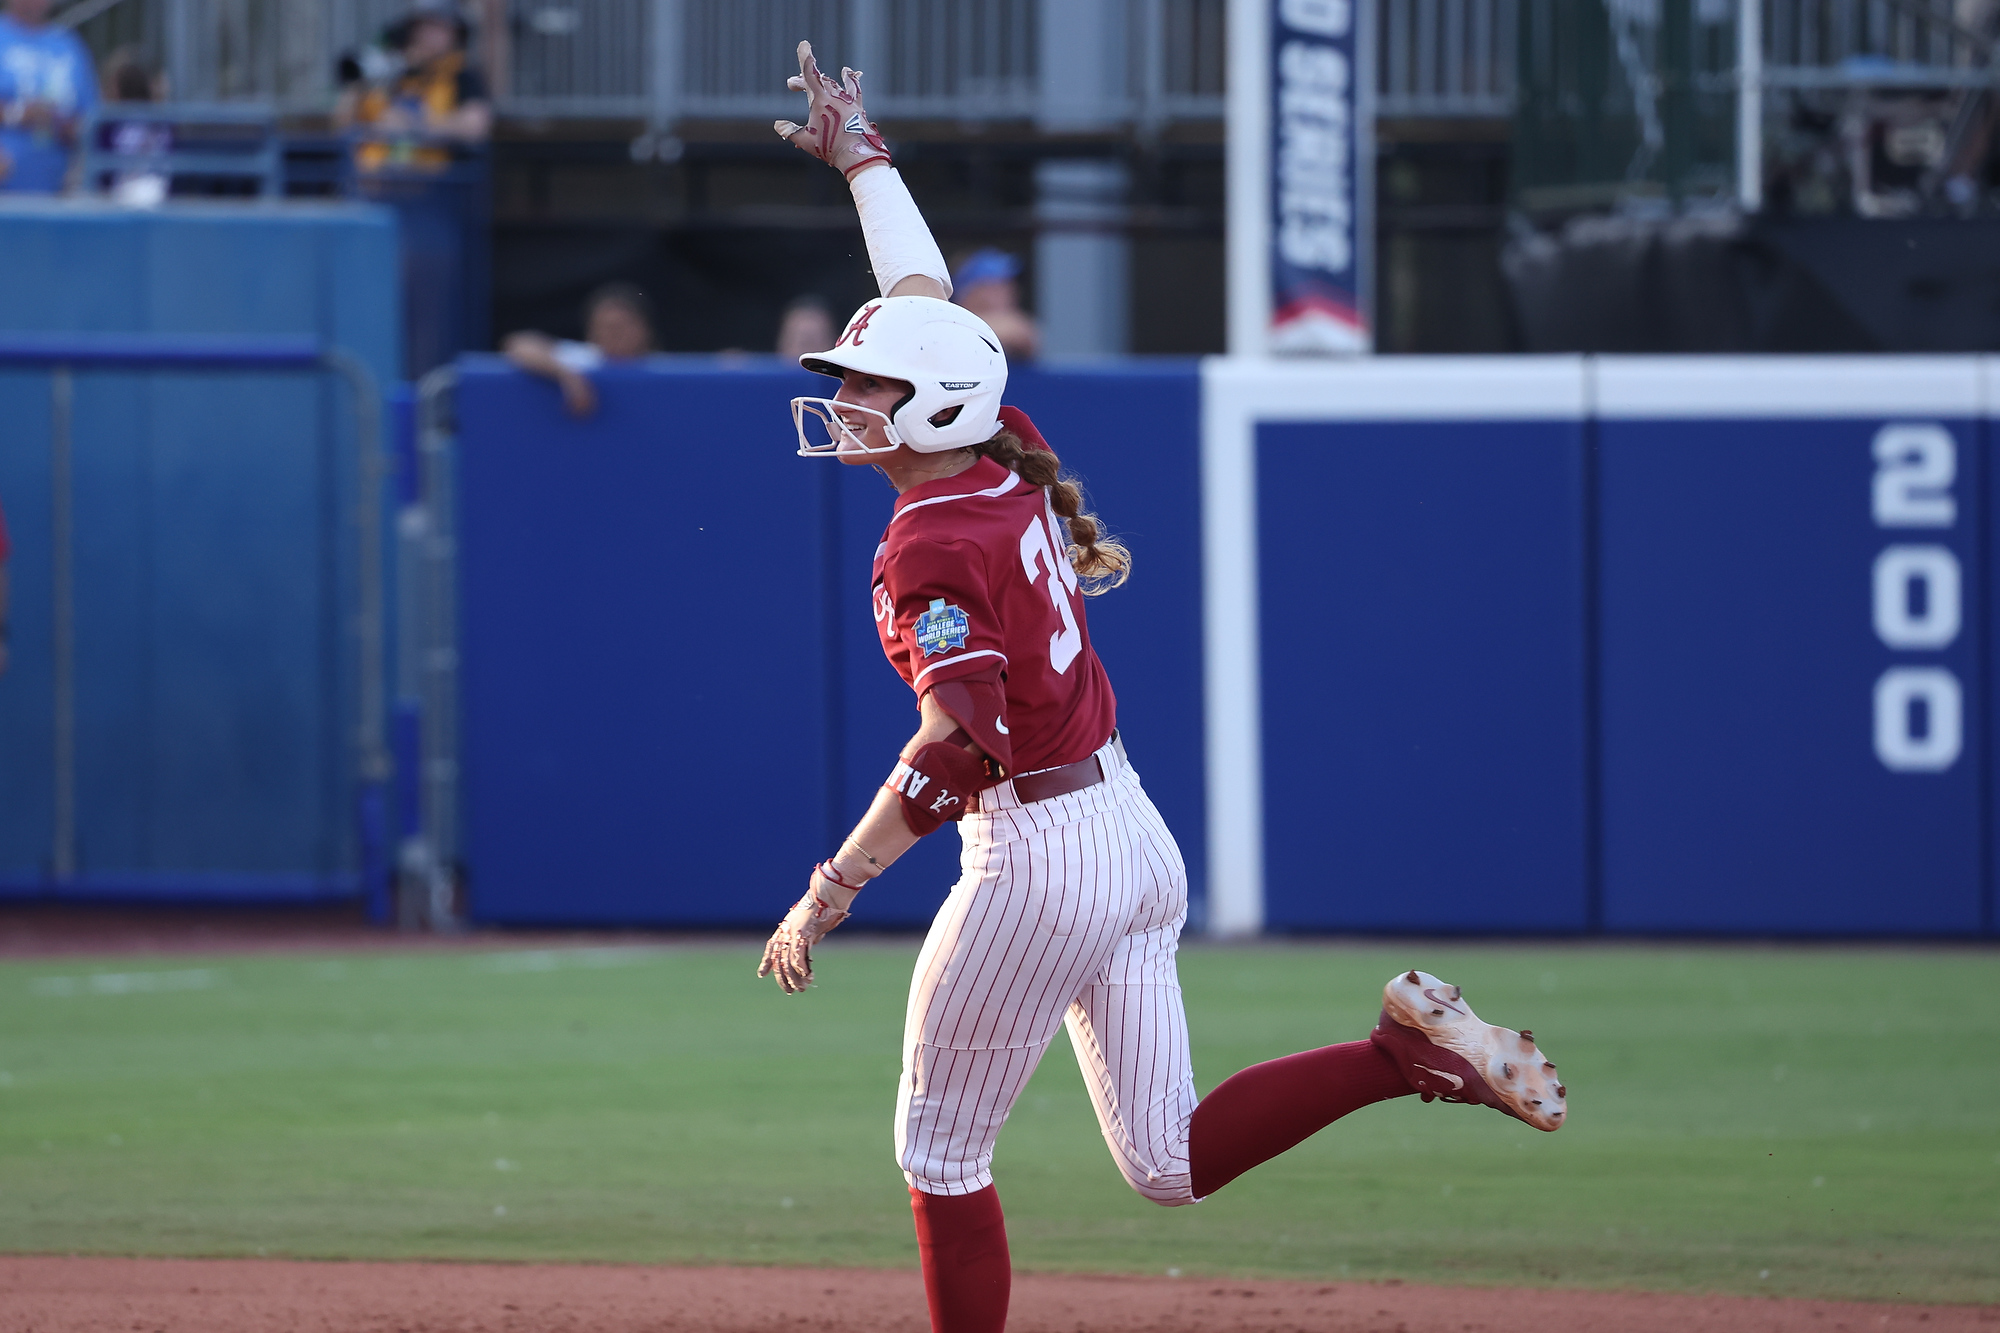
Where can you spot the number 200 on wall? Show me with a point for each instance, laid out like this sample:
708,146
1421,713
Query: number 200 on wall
1919,600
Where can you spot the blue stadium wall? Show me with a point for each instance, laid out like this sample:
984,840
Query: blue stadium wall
674,702
1534,645
1635,645
214,552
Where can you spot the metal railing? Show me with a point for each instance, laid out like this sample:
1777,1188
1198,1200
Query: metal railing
1841,43
234,141
581,57
427,862
664,60
946,59
1445,57
976,60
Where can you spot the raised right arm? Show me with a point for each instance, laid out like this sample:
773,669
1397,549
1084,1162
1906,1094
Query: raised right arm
901,249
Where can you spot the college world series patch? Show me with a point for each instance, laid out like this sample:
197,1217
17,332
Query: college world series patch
942,628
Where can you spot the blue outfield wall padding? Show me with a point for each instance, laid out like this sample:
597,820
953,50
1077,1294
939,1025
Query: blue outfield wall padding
27,730
1989,615
674,699
644,646
1421,614
1748,787
214,547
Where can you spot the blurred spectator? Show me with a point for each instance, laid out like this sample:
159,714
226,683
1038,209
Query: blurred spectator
128,78
806,326
984,283
415,106
6,550
47,87
427,88
140,143
618,326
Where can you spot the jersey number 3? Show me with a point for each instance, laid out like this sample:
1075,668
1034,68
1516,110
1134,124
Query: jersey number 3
1036,550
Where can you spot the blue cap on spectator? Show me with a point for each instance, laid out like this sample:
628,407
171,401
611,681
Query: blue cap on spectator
983,266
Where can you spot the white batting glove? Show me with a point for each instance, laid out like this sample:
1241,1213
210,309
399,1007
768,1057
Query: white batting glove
788,954
837,129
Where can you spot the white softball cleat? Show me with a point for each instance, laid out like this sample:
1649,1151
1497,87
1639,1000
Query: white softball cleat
1445,1051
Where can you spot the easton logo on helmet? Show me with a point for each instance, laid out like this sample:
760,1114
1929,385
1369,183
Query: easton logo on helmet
958,384
853,332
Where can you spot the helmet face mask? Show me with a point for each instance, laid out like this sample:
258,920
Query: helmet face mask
945,353
828,426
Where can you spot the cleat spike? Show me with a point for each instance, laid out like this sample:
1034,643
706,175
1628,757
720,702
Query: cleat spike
1446,1053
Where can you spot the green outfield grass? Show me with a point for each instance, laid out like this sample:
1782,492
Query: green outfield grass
1813,1121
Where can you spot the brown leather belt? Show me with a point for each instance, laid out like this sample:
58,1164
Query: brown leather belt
1049,783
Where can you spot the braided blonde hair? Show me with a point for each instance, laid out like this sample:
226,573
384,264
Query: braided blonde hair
1102,562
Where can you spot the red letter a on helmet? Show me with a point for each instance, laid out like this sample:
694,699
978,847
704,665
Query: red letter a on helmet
853,333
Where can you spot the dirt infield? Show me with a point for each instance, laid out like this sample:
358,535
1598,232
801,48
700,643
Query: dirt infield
100,1295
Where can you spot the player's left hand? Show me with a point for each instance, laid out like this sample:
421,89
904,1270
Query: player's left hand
837,129
788,954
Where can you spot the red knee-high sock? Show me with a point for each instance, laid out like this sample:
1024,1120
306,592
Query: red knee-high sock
967,1275
1261,1111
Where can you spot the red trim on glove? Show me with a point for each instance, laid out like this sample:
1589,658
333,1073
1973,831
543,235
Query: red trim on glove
828,870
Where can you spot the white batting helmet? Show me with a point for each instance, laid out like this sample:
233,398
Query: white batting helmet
949,356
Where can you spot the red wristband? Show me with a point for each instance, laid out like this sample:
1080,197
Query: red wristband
828,870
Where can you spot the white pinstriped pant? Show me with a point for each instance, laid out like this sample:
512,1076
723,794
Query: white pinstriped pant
1068,910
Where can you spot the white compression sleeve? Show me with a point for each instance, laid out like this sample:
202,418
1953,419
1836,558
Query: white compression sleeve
899,240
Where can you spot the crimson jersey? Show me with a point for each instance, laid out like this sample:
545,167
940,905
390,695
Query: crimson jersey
973,582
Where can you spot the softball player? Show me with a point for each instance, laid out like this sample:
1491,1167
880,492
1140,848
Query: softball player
1072,895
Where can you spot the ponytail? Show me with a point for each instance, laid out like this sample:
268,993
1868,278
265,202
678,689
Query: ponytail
1101,561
